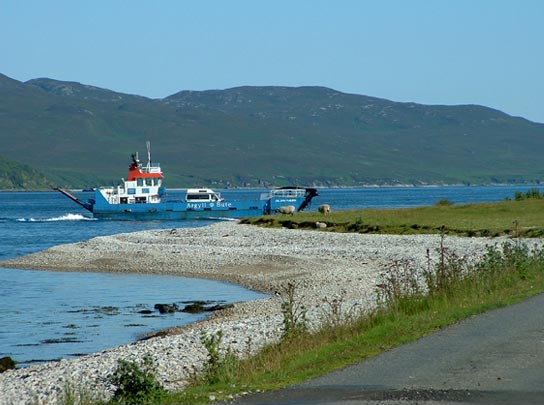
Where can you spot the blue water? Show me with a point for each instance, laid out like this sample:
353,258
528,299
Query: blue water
403,197
50,315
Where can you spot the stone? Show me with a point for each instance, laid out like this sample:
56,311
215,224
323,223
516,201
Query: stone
166,308
6,363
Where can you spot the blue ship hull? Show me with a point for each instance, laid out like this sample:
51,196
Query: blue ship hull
299,198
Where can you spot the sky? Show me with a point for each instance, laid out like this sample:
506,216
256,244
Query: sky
486,52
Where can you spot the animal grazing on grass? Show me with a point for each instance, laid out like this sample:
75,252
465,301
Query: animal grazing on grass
287,210
324,209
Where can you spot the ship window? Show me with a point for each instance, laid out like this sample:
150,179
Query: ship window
131,191
140,182
201,197
145,190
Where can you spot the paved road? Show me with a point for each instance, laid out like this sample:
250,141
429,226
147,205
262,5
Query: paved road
494,358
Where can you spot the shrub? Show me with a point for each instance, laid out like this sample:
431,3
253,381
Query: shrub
136,383
221,364
293,311
533,193
400,286
511,259
443,203
443,276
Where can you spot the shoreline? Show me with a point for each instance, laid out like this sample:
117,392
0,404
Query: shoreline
341,187
325,266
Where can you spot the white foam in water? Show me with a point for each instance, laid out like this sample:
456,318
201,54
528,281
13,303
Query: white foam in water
67,217
71,217
223,219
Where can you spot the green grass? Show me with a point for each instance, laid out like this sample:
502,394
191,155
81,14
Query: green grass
521,218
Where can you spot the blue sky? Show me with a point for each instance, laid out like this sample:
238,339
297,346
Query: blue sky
488,52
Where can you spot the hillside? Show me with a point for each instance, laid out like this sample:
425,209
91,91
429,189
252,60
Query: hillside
82,136
16,176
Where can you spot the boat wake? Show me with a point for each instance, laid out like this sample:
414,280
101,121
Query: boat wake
67,217
224,219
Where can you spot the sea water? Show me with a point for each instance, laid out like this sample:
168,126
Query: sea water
51,315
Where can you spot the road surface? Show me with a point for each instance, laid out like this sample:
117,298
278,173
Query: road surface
493,358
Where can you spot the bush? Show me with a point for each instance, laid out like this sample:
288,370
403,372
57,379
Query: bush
511,259
399,287
533,193
136,383
293,311
443,203
443,276
221,364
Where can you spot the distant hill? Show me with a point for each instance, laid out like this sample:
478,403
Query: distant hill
16,176
82,136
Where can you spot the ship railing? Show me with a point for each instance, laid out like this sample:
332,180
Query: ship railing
284,193
155,168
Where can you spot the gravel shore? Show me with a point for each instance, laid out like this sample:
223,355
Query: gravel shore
324,265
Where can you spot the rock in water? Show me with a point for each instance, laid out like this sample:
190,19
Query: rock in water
166,308
6,363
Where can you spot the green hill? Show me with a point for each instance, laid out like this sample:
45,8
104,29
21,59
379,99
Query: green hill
82,136
16,176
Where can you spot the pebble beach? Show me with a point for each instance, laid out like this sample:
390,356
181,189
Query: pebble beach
324,266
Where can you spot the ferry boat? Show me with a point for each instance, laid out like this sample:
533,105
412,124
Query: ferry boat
142,196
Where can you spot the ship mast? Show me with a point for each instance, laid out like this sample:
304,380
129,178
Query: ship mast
148,144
